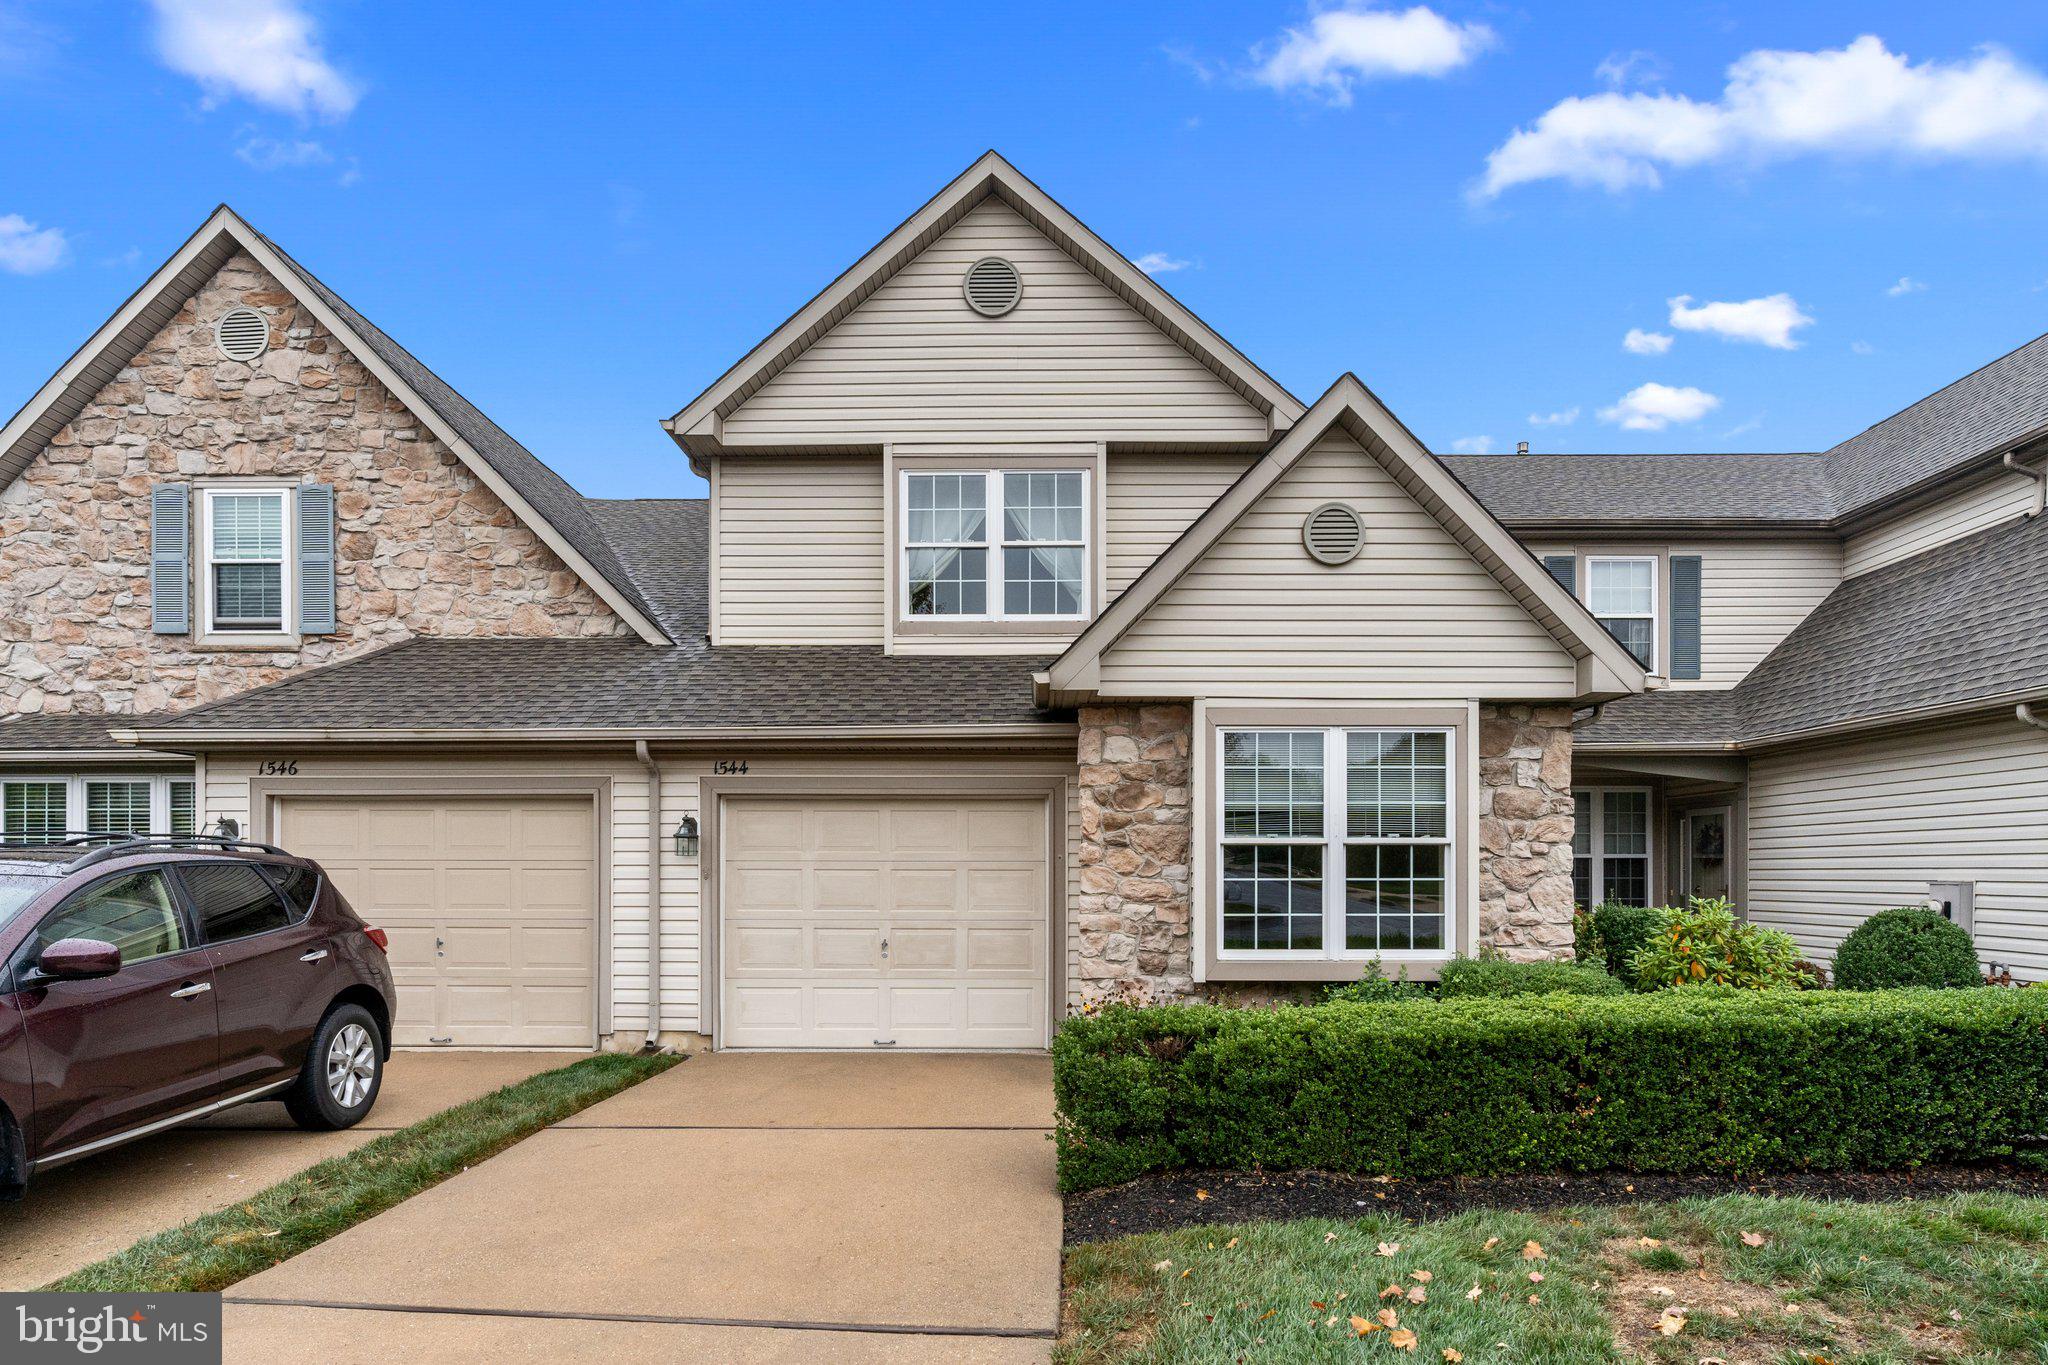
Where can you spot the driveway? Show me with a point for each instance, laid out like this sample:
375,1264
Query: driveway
77,1214
742,1207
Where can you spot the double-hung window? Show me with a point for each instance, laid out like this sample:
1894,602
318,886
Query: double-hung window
1621,592
1611,846
39,808
996,545
1334,842
246,577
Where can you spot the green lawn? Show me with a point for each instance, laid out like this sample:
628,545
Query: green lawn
1738,1280
215,1251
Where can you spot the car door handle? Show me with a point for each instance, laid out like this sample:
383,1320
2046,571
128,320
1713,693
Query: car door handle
190,989
313,956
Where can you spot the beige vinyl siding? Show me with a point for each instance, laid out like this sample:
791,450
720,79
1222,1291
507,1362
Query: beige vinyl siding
1839,832
1071,361
1151,499
1971,509
801,552
1413,616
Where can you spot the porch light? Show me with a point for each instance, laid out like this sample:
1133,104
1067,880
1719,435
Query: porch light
686,837
227,827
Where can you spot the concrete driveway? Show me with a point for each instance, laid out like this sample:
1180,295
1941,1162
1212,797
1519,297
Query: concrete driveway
78,1214
741,1207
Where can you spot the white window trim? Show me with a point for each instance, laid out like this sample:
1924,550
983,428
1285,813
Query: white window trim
287,576
1596,841
75,788
1656,599
994,543
1335,838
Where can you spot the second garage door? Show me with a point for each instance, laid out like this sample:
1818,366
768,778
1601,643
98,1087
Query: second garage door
490,905
891,923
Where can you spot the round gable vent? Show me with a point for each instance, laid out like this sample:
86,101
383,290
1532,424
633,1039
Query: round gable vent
242,334
992,286
1333,533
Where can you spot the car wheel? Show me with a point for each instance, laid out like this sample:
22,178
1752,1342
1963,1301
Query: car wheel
343,1071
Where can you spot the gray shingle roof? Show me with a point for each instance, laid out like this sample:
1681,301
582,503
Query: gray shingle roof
1962,623
549,494
1521,489
60,733
661,543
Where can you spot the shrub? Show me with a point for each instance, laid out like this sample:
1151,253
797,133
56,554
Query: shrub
1909,946
1376,987
1621,931
1696,1080
1705,945
1498,977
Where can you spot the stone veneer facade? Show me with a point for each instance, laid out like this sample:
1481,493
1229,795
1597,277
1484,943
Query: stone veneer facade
423,548
1132,919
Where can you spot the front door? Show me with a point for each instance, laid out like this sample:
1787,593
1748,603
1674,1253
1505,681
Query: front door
125,1050
1706,871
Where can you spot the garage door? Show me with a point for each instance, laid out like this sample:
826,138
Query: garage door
893,923
490,905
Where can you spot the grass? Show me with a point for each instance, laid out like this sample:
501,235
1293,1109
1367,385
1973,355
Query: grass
1743,1280
213,1252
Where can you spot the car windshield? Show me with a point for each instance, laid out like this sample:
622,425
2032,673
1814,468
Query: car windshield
17,890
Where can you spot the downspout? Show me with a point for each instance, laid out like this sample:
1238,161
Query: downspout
2040,478
2025,711
654,842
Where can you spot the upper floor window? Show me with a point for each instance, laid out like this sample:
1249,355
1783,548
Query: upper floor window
246,576
1621,591
995,546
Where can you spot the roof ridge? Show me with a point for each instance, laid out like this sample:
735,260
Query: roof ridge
1936,393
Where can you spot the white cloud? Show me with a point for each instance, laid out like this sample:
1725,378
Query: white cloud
1862,348
270,154
1744,428
1472,445
266,51
1159,263
1906,285
1622,69
1653,407
1562,418
1341,47
1859,100
1639,342
26,249
1768,321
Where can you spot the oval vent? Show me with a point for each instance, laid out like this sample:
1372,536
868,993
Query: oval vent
993,286
1333,533
242,334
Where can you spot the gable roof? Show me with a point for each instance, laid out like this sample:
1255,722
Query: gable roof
538,496
1529,492
698,428
1605,668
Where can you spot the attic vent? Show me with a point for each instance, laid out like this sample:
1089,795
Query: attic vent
992,286
1333,533
242,334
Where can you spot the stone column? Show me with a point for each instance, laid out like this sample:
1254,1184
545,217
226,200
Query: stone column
1525,831
1136,879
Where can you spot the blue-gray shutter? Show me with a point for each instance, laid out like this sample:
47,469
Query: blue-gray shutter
1565,569
316,558
170,559
1685,616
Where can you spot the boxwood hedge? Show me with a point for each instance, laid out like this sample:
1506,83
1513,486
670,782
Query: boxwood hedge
1702,1080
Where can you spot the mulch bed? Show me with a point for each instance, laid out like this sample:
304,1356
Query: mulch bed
1163,1202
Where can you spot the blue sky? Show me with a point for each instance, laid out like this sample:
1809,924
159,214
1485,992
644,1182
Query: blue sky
580,215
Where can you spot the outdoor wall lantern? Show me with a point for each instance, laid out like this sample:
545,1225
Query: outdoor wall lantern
227,827
686,837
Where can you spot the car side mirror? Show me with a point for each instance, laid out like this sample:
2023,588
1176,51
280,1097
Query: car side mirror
79,959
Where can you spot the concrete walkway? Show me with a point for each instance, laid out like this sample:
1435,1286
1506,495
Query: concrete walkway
77,1214
742,1207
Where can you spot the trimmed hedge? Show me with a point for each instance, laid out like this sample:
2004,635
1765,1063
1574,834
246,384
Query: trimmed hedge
1496,977
1907,946
1710,1079
1622,930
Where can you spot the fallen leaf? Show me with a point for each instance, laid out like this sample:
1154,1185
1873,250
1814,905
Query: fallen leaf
1754,1239
1387,1249
1473,1294
1185,1273
1379,1194
1392,1291
1418,1295
1535,1299
1491,1243
1535,1277
1533,1251
1201,1194
1666,1290
1329,1237
1330,1321
1229,1244
1361,1326
1629,1189
1318,1306
1453,1354
1342,1295
1420,1276
1388,1318
1648,1242
1403,1340
1162,1265
1267,1314
1670,1322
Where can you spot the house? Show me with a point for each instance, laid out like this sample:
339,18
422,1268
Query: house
1033,647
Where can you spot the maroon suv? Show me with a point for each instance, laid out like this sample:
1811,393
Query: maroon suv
147,981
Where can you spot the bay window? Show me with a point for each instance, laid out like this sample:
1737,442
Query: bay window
46,808
1334,842
1611,846
1621,592
995,545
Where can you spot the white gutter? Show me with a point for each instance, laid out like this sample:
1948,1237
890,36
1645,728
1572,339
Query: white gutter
653,893
2025,711
2040,478
1049,732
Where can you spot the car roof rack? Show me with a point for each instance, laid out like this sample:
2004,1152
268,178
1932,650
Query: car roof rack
99,846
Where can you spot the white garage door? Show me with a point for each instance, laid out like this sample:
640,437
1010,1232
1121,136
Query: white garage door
490,905
898,923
